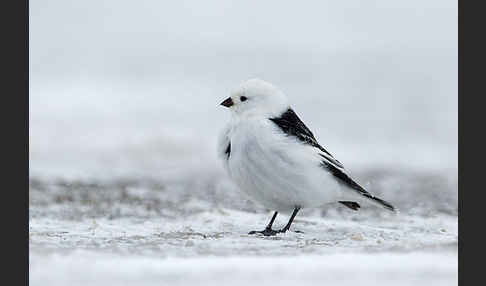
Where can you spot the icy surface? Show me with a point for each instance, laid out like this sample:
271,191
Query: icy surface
82,268
149,232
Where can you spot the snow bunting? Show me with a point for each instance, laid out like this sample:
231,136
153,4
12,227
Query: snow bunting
272,156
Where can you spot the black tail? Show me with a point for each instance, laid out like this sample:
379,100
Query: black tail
352,205
346,180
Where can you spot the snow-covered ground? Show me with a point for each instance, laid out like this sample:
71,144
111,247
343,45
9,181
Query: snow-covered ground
145,232
212,248
83,268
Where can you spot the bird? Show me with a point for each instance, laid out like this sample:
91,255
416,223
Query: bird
272,156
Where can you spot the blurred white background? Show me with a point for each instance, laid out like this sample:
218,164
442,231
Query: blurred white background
132,88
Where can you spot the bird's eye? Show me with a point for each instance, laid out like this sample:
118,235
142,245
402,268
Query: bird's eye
243,98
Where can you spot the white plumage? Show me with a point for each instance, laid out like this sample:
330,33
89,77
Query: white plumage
272,156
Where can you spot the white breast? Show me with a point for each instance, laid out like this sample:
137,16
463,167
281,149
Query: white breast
276,170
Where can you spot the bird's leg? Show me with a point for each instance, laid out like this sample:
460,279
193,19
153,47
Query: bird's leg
287,227
268,231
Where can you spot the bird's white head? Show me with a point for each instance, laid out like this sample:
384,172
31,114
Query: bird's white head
256,98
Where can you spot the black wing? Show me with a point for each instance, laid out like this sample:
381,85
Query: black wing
291,125
345,179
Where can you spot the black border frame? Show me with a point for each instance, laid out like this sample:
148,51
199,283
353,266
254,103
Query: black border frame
14,214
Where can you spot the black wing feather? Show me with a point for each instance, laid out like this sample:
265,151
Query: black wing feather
291,125
344,178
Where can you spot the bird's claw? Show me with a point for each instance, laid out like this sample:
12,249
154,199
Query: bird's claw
265,232
271,232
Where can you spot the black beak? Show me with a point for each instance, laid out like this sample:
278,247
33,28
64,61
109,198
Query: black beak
227,102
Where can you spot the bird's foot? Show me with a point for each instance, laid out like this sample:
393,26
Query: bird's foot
265,232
